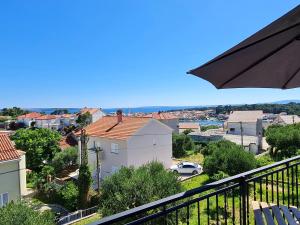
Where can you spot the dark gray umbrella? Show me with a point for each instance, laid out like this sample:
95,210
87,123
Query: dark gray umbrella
268,59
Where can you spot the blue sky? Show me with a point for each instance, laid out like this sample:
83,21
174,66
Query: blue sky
124,53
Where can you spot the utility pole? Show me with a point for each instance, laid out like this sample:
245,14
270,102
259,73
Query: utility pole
97,151
242,139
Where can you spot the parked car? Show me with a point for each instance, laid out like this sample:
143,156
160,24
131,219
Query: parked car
187,167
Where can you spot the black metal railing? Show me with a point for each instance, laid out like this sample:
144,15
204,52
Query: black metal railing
227,201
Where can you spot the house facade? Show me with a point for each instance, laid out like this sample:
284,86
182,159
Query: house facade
95,112
168,119
48,121
249,121
28,118
194,127
128,141
12,170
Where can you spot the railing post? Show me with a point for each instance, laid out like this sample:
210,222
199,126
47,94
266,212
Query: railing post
243,188
288,182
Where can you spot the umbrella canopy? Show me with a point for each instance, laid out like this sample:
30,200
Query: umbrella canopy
268,59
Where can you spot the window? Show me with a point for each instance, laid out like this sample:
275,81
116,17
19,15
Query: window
232,129
114,148
3,199
188,166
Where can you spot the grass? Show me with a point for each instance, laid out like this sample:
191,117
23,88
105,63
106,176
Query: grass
88,220
192,157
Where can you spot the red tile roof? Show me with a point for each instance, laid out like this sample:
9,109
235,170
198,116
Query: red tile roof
67,142
189,126
31,115
107,127
48,117
163,116
7,149
90,110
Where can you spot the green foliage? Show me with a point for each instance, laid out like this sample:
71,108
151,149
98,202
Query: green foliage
84,119
13,112
60,112
20,213
227,157
129,187
209,127
187,131
68,195
264,160
84,183
181,143
284,141
65,158
40,146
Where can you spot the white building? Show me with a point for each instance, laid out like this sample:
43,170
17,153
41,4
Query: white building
48,121
167,118
249,121
287,119
195,127
95,112
28,118
128,141
68,120
12,170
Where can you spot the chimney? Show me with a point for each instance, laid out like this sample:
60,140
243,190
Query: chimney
119,115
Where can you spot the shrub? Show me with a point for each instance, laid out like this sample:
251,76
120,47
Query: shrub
284,141
65,158
229,158
181,144
68,195
20,213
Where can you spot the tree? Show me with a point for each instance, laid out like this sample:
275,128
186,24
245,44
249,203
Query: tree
209,127
40,146
13,112
64,159
84,119
284,141
228,158
60,112
180,144
187,131
68,195
129,187
84,177
20,213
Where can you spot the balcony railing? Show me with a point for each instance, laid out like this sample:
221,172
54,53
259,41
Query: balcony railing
227,201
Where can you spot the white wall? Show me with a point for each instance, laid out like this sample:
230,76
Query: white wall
152,142
248,128
97,115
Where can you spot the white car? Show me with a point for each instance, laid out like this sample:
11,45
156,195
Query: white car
187,167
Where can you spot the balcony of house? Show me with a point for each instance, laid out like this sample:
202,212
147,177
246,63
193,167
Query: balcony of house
227,201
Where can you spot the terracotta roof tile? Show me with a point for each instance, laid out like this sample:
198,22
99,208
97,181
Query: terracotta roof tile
7,149
107,127
31,115
90,110
48,117
189,126
245,116
163,116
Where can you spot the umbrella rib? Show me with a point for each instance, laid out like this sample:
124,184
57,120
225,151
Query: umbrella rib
257,62
288,81
249,45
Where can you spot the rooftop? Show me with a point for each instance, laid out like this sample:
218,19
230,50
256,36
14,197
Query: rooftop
108,127
289,119
90,110
189,126
7,149
163,116
245,116
48,117
31,115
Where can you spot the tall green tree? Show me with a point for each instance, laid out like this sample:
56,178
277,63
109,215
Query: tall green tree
22,214
85,177
40,146
180,144
284,141
84,119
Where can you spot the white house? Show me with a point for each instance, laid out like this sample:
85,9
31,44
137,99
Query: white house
67,119
28,118
12,170
286,119
249,121
195,127
167,118
48,121
128,141
95,112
